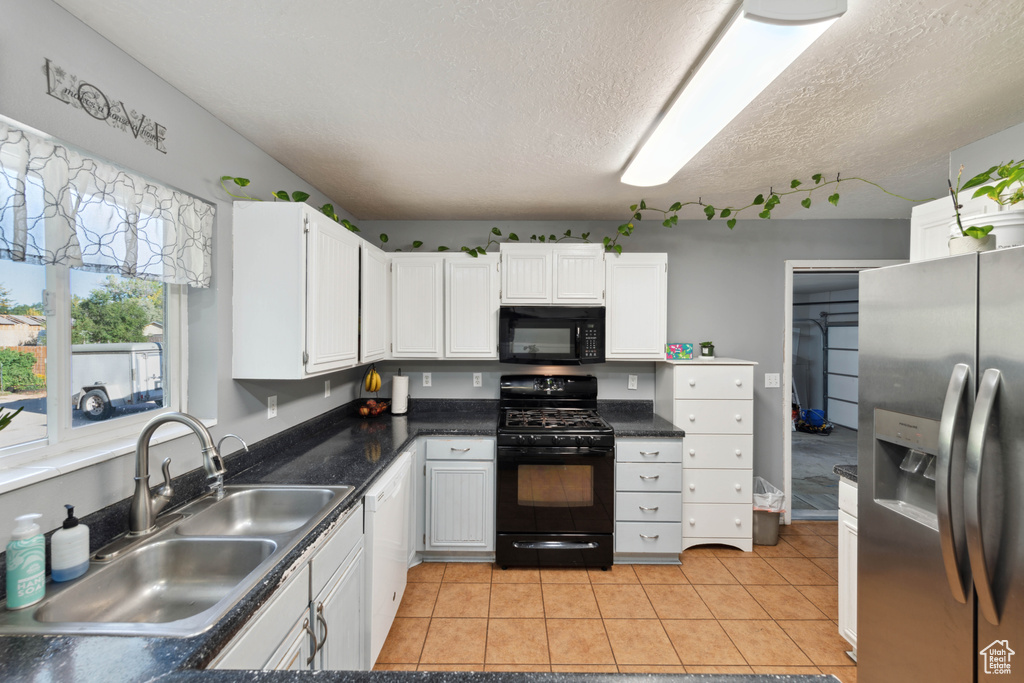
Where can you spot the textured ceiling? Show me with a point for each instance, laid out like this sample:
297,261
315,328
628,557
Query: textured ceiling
530,109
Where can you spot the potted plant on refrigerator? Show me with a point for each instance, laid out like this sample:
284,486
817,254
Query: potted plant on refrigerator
1003,184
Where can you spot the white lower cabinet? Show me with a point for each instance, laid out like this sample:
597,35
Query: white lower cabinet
648,501
848,561
459,495
314,621
713,400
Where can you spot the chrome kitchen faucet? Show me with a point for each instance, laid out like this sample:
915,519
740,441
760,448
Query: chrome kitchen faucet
146,506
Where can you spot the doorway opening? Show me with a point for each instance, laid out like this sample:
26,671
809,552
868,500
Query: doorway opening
819,382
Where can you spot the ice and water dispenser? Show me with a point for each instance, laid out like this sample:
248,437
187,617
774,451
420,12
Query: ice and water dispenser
905,455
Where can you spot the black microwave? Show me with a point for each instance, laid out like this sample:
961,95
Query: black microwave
551,335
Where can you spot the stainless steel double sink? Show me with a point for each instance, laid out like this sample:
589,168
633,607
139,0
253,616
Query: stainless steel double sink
186,577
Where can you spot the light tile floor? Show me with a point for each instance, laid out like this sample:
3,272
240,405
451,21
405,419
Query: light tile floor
770,611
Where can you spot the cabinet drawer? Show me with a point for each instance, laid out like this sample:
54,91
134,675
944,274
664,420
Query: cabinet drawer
336,548
718,451
848,497
648,450
706,520
714,381
714,417
648,507
648,537
460,449
718,486
637,476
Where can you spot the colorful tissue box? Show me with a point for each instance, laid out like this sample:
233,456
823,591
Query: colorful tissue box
678,351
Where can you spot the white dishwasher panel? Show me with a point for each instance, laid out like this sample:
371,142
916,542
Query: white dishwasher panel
387,536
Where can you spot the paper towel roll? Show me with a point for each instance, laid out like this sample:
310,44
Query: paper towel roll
399,394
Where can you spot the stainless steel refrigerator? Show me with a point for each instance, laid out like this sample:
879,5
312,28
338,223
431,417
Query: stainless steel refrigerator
941,471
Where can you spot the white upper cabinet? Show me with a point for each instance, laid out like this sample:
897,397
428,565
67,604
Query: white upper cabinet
374,289
417,304
931,223
471,306
525,274
578,274
296,283
540,274
637,306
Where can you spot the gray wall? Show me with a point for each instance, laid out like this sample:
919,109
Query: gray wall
200,149
724,286
987,152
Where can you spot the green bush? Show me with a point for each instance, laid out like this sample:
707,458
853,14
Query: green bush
17,371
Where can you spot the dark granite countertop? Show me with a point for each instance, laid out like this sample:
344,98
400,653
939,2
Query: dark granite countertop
335,448
846,472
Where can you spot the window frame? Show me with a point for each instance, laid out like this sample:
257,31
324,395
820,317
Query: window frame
61,438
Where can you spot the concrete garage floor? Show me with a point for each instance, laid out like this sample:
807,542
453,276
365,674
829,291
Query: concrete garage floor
815,487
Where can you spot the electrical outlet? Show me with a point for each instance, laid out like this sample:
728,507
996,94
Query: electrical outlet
771,380
631,383
478,379
271,407
426,379
327,388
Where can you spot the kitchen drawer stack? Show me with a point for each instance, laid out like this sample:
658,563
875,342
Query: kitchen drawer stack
713,401
648,500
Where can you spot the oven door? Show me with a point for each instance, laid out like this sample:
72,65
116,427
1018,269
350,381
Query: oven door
555,490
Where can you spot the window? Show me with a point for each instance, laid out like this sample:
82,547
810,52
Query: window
94,263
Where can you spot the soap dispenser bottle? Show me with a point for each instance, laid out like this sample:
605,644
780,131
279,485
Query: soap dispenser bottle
69,549
26,563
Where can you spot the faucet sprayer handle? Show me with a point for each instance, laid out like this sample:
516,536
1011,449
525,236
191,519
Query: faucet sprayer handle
165,492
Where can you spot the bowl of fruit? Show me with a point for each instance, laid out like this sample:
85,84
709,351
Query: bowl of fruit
371,407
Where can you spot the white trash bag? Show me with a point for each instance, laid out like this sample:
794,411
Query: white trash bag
767,497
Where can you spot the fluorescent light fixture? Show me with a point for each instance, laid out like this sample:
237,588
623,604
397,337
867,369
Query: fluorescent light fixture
750,53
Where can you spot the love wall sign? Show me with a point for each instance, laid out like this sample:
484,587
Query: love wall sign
79,94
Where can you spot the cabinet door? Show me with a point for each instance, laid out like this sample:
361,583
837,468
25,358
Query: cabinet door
848,577
332,304
460,505
526,275
373,297
471,306
417,288
293,655
263,641
339,618
637,306
578,275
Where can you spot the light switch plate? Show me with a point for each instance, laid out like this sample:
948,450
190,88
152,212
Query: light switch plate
327,388
631,382
271,407
426,379
771,380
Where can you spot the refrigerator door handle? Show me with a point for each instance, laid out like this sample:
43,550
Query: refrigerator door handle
952,552
983,407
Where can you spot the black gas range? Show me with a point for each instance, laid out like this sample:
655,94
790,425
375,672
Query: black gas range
556,473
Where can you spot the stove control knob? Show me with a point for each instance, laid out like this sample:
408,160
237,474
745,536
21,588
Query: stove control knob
587,440
534,439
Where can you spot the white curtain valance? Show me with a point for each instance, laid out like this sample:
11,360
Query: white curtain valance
58,206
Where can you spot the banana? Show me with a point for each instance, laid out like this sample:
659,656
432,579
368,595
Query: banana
369,380
376,381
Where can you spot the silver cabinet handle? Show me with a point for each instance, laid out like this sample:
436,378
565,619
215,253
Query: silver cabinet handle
460,450
316,645
952,422
654,537
649,452
976,438
653,509
323,622
644,476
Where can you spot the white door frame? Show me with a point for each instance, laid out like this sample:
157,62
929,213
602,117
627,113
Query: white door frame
819,266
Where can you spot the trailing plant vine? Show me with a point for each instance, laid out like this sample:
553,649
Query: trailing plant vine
730,214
